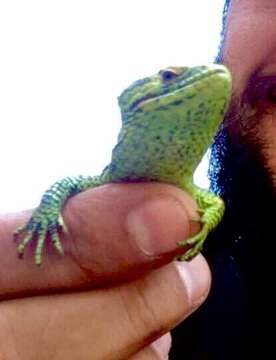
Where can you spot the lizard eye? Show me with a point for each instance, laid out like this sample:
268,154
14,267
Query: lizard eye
168,75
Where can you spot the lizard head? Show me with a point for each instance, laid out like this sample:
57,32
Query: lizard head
174,113
175,88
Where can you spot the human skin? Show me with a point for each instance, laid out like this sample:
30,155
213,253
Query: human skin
115,291
250,48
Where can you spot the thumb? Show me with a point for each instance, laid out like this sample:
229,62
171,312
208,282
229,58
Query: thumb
115,232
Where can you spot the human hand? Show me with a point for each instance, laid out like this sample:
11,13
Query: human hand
116,291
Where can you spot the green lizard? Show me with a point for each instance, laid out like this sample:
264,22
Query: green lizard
168,122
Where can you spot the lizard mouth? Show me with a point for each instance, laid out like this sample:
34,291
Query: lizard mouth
142,100
175,87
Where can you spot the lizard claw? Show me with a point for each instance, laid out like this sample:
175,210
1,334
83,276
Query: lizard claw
62,224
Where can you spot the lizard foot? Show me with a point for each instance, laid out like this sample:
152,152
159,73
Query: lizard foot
44,222
211,209
196,242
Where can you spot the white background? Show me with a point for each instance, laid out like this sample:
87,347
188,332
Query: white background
62,66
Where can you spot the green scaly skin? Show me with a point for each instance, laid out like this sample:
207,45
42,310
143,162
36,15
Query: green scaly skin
168,122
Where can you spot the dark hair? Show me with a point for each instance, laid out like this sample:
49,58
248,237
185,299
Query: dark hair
225,11
218,58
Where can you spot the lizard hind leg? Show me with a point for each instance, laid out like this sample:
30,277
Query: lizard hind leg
211,209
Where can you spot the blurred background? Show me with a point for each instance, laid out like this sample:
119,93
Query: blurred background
63,65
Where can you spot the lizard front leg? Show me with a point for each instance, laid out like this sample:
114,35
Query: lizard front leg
47,220
211,207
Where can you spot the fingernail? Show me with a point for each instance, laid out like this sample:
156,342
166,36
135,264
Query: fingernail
196,279
158,225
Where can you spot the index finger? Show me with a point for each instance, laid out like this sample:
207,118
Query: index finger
115,232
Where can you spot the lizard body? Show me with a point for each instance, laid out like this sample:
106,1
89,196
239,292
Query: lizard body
168,122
